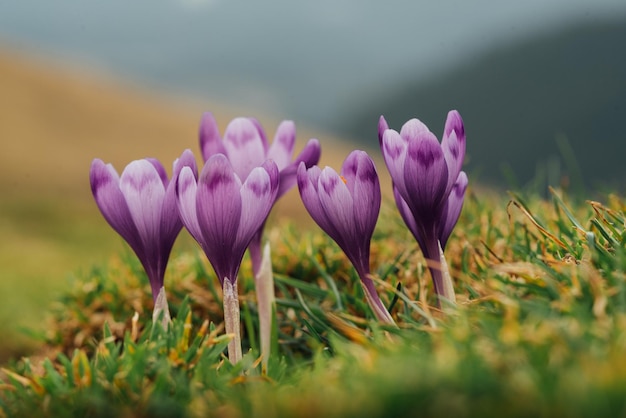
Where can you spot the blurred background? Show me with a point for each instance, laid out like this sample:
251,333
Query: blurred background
540,84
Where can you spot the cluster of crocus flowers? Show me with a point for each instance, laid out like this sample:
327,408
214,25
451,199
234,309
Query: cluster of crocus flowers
225,206
141,206
428,186
346,207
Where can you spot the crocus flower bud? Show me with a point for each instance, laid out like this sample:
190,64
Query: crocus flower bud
141,206
346,207
428,185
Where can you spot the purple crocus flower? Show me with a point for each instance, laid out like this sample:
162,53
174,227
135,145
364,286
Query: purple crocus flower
246,146
346,207
428,184
223,214
141,206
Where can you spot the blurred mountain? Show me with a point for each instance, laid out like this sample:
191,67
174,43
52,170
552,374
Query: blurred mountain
527,107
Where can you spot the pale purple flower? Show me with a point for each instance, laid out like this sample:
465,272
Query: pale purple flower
223,214
346,207
246,146
428,183
141,206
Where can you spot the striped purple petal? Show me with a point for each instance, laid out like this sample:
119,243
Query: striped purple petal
210,139
244,146
281,150
144,193
310,155
453,145
452,209
361,179
338,205
308,182
382,127
408,218
186,191
394,149
105,187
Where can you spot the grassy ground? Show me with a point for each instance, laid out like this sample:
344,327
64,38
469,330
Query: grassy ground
540,329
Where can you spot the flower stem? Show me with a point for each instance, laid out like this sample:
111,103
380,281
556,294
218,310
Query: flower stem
161,309
448,286
264,283
231,320
374,301
439,272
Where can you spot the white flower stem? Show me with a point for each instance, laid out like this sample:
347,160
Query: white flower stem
264,282
373,299
161,306
448,286
231,320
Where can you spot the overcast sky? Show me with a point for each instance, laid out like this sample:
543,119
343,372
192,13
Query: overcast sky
295,59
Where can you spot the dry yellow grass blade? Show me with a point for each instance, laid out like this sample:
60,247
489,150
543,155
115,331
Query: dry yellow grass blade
530,217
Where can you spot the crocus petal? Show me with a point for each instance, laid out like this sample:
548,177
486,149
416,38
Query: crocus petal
111,202
454,122
310,155
186,190
281,149
452,209
218,208
144,192
258,193
394,150
185,160
338,205
171,223
261,131
160,170
425,176
382,127
414,130
244,146
361,178
408,218
308,181
210,140
453,145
